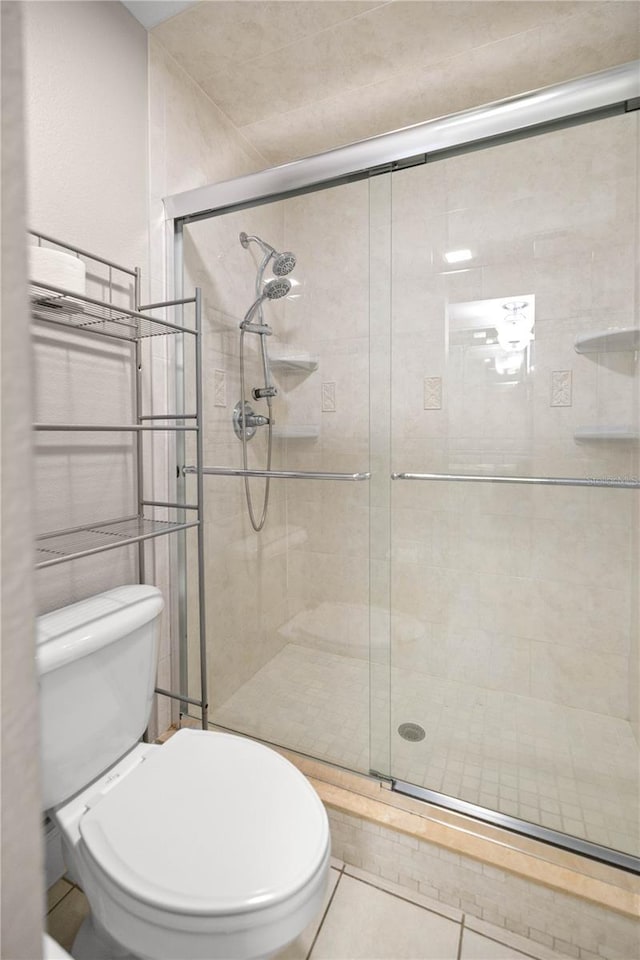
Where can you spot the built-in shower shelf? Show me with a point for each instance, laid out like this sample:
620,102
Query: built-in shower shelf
607,432
64,545
609,341
296,431
296,363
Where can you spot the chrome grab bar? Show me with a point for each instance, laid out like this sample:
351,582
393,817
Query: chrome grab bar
278,474
617,482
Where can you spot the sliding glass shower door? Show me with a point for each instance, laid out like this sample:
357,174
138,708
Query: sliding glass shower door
445,591
514,345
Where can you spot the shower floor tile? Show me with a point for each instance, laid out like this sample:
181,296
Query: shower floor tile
565,768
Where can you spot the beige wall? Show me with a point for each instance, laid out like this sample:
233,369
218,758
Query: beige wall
86,114
86,131
22,885
87,175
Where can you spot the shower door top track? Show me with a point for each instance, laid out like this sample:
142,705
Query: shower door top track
608,91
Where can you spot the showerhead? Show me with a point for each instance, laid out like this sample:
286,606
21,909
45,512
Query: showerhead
275,289
272,290
283,263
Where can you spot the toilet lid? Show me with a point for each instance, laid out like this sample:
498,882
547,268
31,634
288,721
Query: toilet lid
210,823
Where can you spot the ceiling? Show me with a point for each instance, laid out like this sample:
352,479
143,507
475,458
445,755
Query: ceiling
297,77
152,12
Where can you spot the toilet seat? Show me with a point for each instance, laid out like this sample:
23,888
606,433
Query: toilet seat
211,836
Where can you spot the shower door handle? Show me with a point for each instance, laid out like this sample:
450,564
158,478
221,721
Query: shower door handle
631,483
279,474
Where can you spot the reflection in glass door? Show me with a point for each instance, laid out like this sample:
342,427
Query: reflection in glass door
514,605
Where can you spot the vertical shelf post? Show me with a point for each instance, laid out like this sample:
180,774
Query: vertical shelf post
139,444
200,498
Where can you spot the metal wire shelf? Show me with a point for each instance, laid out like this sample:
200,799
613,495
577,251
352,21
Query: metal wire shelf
60,306
63,545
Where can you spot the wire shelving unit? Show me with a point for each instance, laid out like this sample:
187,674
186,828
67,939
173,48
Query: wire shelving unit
133,324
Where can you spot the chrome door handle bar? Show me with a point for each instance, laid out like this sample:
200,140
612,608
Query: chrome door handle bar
278,474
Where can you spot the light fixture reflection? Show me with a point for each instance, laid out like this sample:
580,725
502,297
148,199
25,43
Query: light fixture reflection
515,330
458,256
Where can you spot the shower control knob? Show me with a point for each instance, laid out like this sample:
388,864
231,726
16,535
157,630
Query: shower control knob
257,420
249,422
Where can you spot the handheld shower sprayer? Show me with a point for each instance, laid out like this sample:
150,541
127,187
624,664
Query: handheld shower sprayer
245,420
283,263
273,290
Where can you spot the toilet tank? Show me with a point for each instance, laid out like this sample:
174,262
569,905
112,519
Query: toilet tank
96,664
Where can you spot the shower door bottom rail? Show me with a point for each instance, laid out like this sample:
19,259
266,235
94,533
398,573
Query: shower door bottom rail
630,483
279,474
587,848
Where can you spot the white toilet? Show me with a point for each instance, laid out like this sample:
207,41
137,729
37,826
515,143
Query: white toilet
212,847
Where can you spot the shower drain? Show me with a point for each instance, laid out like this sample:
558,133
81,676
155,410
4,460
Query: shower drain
411,731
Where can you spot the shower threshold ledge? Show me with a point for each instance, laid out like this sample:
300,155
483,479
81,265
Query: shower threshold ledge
372,799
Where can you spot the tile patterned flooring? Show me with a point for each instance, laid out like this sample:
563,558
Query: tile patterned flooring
561,767
363,918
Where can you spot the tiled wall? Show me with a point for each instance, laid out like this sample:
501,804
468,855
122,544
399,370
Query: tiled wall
566,924
246,572
328,595
325,74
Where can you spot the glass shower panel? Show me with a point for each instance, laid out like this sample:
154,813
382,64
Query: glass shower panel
514,650
288,607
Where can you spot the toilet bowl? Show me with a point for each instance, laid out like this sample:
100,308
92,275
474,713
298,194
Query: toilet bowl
211,847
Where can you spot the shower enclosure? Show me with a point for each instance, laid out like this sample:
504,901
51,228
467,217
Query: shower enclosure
445,590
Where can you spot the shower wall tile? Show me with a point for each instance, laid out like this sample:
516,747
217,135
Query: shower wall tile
501,58
337,58
595,682
320,576
595,619
332,526
569,45
215,37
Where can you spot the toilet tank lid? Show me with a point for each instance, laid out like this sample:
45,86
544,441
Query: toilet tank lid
80,629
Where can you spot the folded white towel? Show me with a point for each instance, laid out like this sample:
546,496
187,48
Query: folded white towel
58,269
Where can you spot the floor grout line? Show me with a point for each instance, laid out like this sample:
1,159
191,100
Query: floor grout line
502,943
324,915
58,902
459,957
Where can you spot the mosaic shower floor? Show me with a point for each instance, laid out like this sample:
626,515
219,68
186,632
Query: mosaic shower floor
561,767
